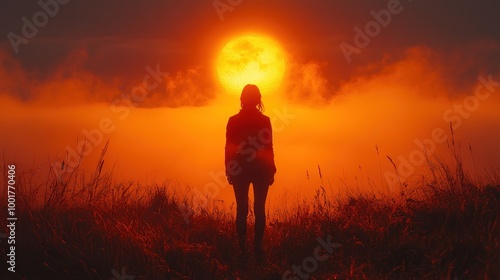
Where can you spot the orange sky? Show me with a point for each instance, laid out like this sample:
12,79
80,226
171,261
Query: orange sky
405,86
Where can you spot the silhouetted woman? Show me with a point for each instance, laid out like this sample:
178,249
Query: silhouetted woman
249,158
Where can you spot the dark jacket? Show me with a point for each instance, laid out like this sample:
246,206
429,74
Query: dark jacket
249,151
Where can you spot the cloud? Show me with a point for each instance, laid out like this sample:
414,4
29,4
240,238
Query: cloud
417,72
69,83
183,88
434,72
306,83
422,70
13,77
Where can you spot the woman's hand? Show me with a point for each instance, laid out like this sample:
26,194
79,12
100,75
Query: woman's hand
230,180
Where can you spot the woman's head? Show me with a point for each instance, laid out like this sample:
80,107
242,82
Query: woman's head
251,98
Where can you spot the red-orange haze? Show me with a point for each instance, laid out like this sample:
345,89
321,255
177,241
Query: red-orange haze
393,110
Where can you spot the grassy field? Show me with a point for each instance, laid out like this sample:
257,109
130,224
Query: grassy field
447,227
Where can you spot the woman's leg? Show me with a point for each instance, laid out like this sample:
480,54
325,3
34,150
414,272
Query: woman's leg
241,194
260,195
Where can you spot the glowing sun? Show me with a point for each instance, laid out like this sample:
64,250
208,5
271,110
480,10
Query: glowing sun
250,59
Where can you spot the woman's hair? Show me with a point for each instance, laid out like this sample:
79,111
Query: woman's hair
251,97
